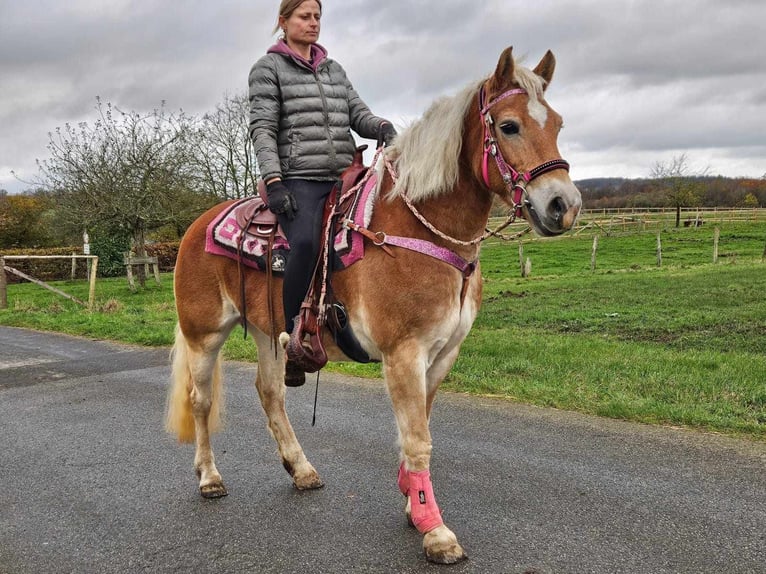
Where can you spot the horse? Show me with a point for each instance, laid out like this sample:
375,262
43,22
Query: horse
410,311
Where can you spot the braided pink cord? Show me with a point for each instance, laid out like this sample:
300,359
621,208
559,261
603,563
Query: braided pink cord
328,236
364,180
394,177
432,229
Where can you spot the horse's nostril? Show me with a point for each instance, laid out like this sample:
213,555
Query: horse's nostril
556,209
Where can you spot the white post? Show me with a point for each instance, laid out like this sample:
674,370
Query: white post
521,257
86,251
593,254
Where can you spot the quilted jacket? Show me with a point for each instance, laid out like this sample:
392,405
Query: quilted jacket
302,113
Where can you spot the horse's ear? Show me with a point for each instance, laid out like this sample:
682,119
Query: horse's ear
503,75
545,68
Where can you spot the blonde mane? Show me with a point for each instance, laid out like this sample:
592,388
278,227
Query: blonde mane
426,153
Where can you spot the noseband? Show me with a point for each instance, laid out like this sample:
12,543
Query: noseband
515,182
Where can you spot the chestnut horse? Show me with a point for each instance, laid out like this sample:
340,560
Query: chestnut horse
412,311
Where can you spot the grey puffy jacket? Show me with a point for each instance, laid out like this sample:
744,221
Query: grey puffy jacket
301,115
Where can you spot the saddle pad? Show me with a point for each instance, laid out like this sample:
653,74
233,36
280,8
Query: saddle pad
349,245
224,233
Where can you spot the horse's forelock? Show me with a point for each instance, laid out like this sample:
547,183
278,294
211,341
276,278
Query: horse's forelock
529,81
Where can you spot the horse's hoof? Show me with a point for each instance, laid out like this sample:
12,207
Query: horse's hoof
309,482
213,490
441,547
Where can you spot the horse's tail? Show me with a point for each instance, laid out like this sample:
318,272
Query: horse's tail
179,418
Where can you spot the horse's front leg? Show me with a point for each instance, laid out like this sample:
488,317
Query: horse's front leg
405,373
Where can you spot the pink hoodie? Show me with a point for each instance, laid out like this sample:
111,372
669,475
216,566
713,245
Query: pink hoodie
318,54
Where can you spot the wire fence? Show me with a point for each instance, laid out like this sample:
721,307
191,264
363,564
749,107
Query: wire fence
624,219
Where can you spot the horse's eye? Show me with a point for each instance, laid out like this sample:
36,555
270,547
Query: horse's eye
510,128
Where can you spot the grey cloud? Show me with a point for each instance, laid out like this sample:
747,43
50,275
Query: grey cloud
635,79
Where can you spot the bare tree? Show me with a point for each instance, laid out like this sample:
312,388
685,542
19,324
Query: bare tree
223,151
127,171
681,186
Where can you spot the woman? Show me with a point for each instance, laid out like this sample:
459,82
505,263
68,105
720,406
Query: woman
302,111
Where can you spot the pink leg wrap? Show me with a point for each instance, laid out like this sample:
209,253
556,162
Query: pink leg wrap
425,512
403,480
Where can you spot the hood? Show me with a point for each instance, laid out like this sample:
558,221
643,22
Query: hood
318,54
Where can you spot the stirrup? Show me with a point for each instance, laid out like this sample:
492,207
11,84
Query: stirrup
294,375
305,348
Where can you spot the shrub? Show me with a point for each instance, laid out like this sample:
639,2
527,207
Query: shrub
110,249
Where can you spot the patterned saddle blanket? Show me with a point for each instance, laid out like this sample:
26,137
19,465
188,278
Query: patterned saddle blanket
245,227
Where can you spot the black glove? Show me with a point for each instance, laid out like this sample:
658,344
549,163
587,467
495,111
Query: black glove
281,201
386,134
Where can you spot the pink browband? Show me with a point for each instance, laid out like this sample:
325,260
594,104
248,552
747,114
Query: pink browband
513,92
515,182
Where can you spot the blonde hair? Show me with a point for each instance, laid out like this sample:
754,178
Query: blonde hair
287,7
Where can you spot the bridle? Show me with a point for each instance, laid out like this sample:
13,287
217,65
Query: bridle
515,182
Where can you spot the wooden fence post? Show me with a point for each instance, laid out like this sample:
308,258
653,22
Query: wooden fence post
130,260
3,285
74,266
716,238
521,257
659,249
131,283
593,254
92,289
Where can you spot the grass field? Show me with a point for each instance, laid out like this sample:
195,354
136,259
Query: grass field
684,344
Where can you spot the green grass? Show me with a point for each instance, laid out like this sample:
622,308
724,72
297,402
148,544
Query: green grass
684,344
675,347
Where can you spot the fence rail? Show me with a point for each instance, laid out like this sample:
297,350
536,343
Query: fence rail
664,214
640,219
7,269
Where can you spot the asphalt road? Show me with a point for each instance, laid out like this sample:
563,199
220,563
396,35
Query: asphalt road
91,483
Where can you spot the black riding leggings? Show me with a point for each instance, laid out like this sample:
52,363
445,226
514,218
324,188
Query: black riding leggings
304,234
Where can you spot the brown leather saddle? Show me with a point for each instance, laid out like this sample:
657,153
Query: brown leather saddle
254,217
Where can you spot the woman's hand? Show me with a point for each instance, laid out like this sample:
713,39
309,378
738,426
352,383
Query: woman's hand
386,134
281,201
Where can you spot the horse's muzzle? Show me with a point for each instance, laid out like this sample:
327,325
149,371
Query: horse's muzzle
553,211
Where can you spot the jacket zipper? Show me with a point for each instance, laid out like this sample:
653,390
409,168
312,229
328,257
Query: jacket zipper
333,156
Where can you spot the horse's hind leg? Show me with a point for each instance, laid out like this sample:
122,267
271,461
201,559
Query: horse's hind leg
271,389
408,385
195,402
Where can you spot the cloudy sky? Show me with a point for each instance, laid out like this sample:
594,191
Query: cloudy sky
637,81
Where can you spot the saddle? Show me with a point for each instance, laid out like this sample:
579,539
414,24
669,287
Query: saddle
256,219
305,348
